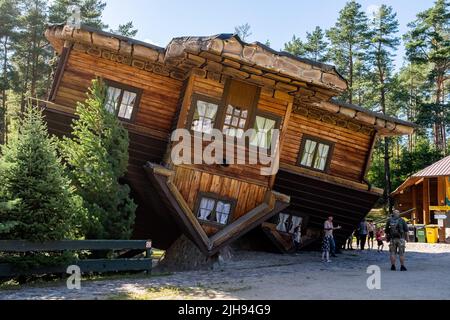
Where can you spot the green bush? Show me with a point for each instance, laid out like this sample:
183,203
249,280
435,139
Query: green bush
97,156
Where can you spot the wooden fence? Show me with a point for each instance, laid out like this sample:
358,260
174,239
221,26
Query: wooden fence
86,265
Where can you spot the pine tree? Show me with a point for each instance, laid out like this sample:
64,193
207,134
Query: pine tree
126,30
295,47
316,46
428,43
97,155
91,12
31,52
9,13
347,39
383,29
38,202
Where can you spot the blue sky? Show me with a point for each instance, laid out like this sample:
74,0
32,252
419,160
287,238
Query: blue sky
274,20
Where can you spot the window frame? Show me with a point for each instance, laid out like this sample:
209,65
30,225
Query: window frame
252,110
124,87
194,99
329,143
267,115
217,198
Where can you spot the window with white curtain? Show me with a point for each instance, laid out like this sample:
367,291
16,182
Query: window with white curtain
295,222
121,100
204,116
315,153
282,222
214,209
264,130
288,223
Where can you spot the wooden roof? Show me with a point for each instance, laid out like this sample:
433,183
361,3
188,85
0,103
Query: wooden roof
312,83
440,168
267,61
437,169
316,199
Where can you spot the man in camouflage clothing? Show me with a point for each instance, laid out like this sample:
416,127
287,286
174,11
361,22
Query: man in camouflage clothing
396,231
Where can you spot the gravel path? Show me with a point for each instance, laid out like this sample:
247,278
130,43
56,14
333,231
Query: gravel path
256,275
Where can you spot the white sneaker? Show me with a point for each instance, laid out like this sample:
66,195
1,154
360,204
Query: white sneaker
328,261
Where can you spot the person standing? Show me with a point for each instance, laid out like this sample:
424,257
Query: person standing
379,237
297,237
371,231
396,232
350,241
356,233
328,231
362,231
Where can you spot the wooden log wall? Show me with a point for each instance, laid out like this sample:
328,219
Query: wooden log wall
350,149
271,101
159,98
190,182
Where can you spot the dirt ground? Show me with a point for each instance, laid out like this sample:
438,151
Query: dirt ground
256,275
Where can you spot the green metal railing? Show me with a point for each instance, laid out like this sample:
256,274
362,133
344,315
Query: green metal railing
86,265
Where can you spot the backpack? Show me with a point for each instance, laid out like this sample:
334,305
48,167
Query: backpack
395,228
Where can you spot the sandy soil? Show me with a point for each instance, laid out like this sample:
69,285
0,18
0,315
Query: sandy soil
256,275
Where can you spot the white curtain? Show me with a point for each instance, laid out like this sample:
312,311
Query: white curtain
263,128
204,117
296,221
281,226
308,153
206,207
112,95
223,210
322,156
127,104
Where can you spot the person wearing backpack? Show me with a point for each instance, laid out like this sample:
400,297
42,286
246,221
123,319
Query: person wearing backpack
396,231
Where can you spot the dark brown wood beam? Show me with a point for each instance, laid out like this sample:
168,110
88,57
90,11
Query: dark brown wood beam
64,57
368,159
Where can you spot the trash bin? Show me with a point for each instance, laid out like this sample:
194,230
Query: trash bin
411,233
432,233
420,233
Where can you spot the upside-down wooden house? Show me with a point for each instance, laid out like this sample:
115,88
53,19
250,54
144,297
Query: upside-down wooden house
201,83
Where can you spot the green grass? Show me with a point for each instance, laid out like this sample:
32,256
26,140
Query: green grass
178,293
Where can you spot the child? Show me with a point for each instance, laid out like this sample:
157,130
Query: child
379,237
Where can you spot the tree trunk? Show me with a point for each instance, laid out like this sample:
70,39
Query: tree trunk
350,78
387,165
5,84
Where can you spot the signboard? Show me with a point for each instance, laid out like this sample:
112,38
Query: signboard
440,216
439,208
